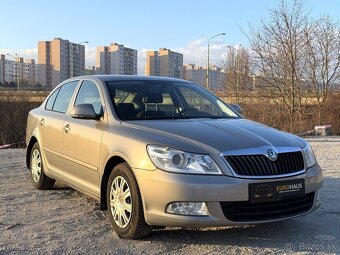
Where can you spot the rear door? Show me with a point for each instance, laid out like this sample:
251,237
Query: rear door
51,125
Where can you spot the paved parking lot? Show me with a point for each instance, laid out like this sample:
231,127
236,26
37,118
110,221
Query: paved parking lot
64,221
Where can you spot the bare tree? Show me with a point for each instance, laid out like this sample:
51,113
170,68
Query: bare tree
237,66
322,52
295,61
278,60
13,115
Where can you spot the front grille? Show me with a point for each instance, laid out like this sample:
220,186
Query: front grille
260,165
244,211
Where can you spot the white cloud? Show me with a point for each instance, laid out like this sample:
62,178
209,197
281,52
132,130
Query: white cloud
141,61
24,53
90,55
196,52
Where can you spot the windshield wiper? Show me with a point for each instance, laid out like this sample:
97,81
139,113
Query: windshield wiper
183,118
221,117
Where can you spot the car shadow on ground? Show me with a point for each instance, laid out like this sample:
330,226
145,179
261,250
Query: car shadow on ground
63,188
286,236
226,235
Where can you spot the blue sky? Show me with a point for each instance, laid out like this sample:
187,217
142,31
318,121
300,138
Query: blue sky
142,25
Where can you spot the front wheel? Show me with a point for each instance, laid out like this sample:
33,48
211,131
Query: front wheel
125,204
39,178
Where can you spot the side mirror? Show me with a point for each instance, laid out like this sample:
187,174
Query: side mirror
236,108
84,111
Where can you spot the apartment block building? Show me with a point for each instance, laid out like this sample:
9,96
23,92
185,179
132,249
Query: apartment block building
59,60
116,59
164,62
24,72
198,75
2,68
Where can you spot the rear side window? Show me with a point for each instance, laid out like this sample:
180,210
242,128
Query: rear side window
51,99
64,97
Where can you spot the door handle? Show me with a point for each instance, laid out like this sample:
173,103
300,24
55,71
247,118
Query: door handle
42,122
67,128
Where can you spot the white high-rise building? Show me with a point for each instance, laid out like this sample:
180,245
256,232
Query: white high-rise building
24,72
116,59
198,75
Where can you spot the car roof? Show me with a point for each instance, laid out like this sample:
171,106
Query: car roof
105,78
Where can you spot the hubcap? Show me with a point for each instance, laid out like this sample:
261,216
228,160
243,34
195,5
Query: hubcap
120,202
36,165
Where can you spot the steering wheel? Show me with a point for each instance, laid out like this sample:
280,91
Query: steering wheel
182,112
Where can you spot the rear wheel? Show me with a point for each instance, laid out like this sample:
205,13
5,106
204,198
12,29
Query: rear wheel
125,204
39,179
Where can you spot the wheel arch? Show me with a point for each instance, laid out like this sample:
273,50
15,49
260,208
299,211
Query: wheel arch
30,144
110,164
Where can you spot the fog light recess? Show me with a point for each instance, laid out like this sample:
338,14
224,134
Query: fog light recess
318,200
188,208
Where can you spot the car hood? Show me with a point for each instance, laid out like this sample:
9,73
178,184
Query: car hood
219,134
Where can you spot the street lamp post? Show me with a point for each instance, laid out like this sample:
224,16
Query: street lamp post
85,42
18,78
208,61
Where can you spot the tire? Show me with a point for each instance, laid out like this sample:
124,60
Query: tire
125,204
39,179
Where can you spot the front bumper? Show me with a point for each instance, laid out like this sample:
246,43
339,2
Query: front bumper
158,188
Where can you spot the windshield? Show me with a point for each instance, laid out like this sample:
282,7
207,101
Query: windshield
144,100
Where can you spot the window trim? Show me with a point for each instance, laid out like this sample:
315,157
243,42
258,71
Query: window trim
59,88
99,91
48,98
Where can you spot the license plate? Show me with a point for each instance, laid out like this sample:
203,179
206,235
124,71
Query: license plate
274,191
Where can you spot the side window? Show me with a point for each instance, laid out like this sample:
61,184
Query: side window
89,94
167,105
64,97
198,102
51,99
121,96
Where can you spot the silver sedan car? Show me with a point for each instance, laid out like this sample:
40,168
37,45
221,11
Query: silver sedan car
165,152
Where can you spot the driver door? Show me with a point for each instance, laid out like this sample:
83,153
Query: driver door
81,141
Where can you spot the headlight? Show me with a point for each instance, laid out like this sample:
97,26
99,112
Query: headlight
173,160
309,156
188,208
